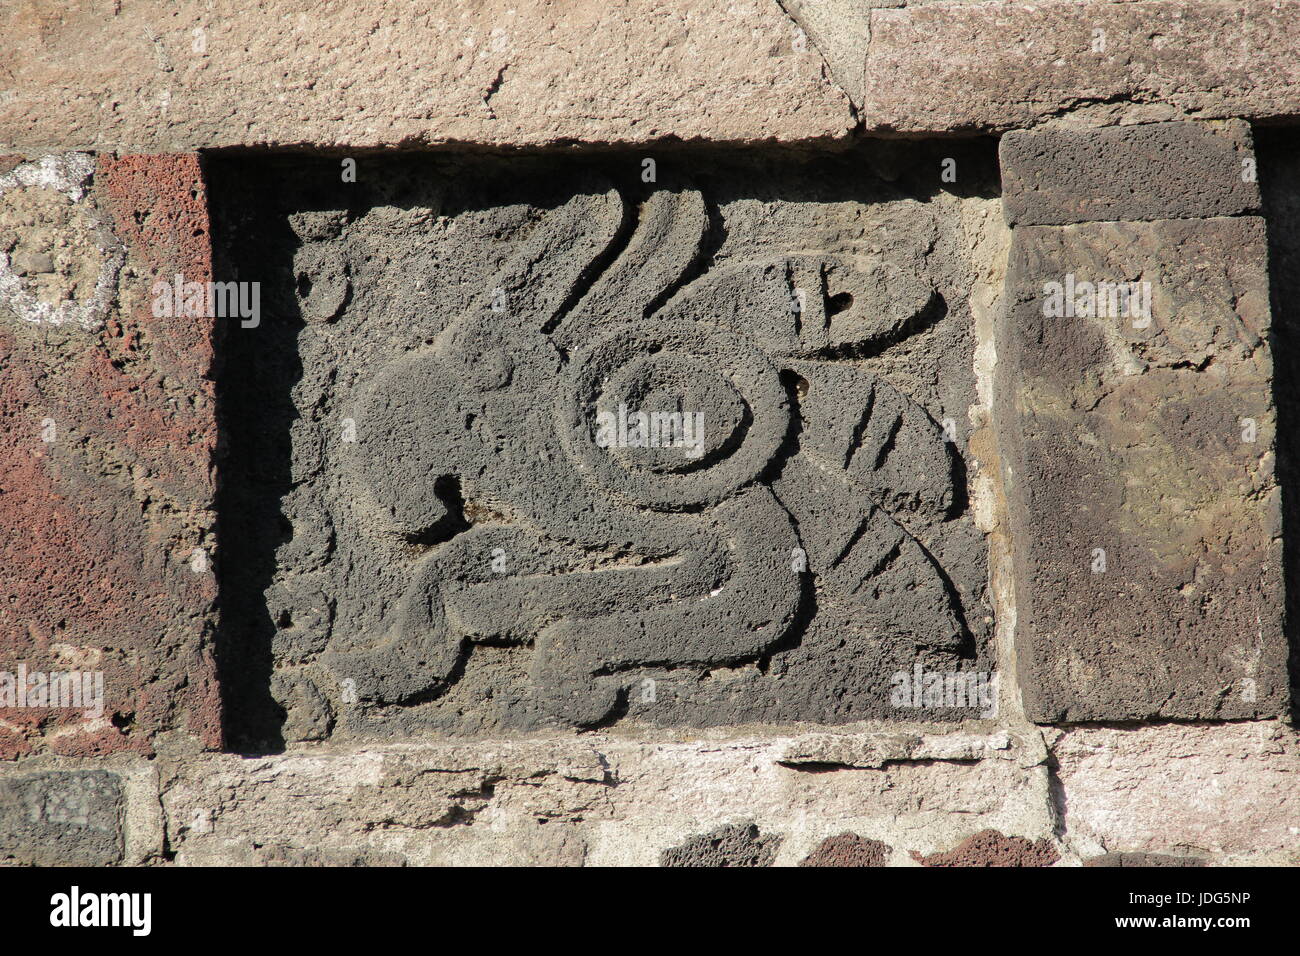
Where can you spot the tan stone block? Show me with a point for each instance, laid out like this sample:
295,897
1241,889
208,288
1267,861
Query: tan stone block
159,75
997,66
1227,790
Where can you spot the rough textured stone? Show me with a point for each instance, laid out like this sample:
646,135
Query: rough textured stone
1174,794
1139,462
841,30
1226,792
430,531
877,750
58,818
738,845
171,75
1144,860
597,799
535,74
1155,171
997,66
848,849
991,848
418,402
106,440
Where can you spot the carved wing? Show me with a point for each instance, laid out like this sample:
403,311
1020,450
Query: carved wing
872,469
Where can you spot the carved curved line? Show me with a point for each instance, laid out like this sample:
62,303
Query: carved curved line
665,245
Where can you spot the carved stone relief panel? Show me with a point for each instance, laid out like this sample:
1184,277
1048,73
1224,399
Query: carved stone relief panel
536,442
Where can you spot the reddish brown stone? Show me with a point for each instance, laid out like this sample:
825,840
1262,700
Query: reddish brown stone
848,849
991,848
995,66
98,527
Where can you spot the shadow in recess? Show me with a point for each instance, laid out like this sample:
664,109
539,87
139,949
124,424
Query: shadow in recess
1278,154
256,370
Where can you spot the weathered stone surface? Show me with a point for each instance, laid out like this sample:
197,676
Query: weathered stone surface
991,848
737,845
1139,465
433,405
1168,795
998,66
849,850
840,30
1223,791
106,438
1144,860
537,75
168,75
1174,794
596,799
1155,171
877,750
427,540
61,818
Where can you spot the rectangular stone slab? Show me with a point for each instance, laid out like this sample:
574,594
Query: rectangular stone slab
189,74
999,66
61,818
107,433
1139,463
1152,171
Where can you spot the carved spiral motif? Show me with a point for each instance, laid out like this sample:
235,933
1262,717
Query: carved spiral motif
673,416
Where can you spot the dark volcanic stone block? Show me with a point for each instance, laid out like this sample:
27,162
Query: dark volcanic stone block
1155,171
738,845
61,818
1139,449
447,498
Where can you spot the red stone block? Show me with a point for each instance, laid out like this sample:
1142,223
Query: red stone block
107,438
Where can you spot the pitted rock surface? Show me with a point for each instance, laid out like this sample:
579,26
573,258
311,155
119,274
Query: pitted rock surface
61,818
107,433
992,848
1152,171
738,845
1141,486
848,850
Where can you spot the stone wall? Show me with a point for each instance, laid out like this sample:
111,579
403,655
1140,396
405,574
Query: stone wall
819,433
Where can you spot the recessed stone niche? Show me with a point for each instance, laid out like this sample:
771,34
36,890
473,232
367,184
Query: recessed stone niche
574,441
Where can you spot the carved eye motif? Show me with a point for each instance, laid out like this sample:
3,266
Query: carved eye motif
670,415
